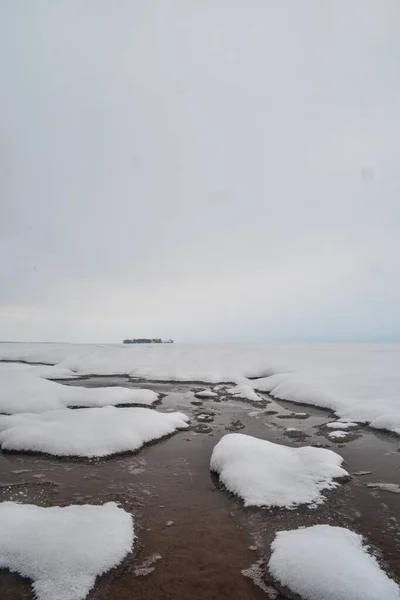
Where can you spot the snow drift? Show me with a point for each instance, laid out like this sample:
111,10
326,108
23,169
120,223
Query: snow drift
63,549
23,391
87,432
266,474
330,563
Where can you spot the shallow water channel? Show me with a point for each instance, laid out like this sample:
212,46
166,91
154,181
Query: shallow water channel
195,539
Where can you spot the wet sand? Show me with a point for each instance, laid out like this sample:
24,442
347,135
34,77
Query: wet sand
204,536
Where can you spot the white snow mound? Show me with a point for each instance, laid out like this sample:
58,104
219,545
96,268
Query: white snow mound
341,425
266,474
63,549
87,432
47,371
244,391
23,390
107,396
338,434
330,563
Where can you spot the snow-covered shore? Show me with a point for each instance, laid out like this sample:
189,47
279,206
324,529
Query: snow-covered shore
360,382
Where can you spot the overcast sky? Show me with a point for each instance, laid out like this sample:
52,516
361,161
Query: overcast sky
214,170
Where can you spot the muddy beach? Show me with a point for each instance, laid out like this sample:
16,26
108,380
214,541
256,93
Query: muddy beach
194,539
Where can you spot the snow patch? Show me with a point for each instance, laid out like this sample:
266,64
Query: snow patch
297,388
244,391
330,563
146,566
108,396
266,474
387,487
341,425
23,391
255,573
255,413
46,371
63,549
338,434
360,382
87,432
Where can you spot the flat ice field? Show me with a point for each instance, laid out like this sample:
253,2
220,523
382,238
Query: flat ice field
360,382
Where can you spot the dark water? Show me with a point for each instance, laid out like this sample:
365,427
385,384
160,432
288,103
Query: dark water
202,534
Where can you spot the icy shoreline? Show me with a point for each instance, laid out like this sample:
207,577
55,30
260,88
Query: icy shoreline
359,382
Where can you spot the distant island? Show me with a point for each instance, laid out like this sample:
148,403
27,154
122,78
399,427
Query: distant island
147,341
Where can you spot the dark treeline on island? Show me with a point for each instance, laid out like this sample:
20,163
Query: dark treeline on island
147,341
